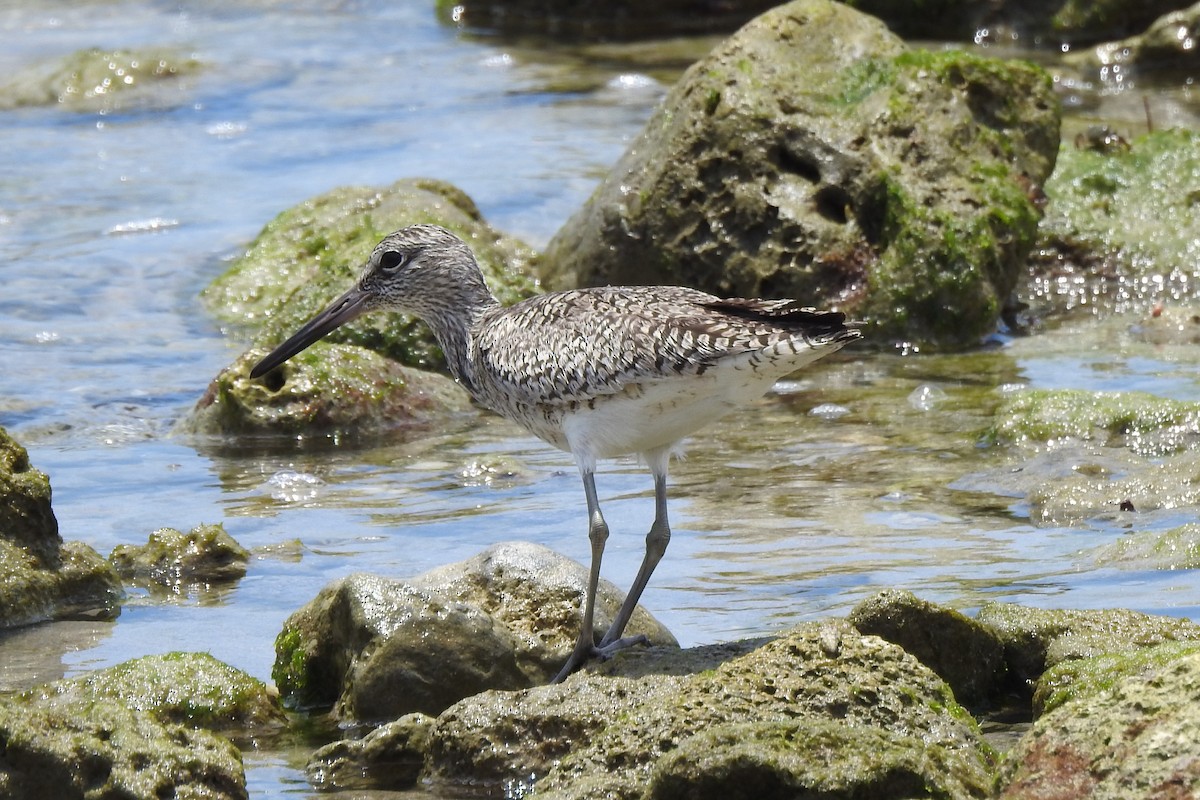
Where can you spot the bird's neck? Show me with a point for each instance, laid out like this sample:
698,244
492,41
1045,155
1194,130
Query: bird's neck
454,329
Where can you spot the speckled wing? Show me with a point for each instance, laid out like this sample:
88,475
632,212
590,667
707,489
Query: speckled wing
571,347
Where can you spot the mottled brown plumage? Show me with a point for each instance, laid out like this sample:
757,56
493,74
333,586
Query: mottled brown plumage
597,372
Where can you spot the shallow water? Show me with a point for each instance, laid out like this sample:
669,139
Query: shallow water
110,224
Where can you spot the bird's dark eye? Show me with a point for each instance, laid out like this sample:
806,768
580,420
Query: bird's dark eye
391,260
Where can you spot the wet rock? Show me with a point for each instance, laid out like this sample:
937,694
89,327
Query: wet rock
192,689
107,749
41,577
1167,45
139,730
966,655
1136,739
811,758
1118,235
1038,639
608,735
379,648
1074,679
173,560
1147,425
391,755
328,388
102,80
1177,548
812,155
312,253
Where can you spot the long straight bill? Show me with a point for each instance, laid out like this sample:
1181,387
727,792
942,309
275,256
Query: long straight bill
349,306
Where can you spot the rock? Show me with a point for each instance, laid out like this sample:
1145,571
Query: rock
812,155
391,755
1118,232
192,689
41,577
811,758
1167,45
1177,548
1136,739
1038,639
107,749
966,655
1147,425
312,253
612,736
380,648
299,263
140,730
171,559
99,80
1068,681
328,388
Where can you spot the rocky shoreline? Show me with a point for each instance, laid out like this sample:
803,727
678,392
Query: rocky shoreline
929,193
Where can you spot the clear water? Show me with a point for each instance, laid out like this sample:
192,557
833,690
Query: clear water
110,225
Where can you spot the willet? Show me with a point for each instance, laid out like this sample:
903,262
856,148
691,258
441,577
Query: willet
599,373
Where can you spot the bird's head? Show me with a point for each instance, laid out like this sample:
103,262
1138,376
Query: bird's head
424,270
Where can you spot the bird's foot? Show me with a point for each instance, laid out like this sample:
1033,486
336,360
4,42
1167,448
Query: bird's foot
603,651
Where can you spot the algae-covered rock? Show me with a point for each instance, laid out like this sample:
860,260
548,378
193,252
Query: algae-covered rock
391,755
1176,548
1134,739
966,655
1147,425
312,253
41,577
824,759
1038,639
100,80
173,559
192,689
26,517
1119,231
328,387
379,648
1071,680
68,747
608,735
812,155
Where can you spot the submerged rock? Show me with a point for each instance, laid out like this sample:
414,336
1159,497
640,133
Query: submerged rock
99,80
1134,739
391,755
172,559
140,730
1147,425
379,648
965,654
41,577
1177,548
812,155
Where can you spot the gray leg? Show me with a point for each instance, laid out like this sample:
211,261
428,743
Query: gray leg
585,647
656,544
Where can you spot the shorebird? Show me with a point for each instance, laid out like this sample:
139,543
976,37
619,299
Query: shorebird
599,373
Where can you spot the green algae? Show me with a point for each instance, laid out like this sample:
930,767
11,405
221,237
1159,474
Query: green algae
96,80
1146,424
